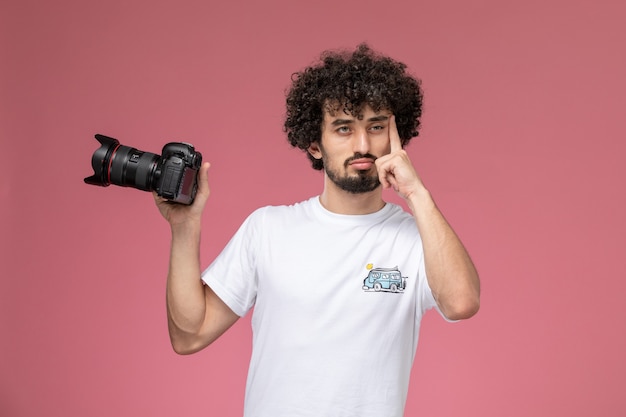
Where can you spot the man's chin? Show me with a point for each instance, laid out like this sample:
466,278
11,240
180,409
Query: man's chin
363,190
358,185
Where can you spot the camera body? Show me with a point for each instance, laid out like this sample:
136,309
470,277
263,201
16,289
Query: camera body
177,172
172,175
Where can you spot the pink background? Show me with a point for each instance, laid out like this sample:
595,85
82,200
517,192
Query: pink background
522,146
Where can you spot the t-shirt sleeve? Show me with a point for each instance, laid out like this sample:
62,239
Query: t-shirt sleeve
232,275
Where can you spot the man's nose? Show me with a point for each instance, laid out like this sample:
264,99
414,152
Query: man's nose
361,142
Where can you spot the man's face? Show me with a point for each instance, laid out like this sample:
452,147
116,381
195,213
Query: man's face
349,147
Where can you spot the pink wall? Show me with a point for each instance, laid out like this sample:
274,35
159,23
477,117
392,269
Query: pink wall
522,146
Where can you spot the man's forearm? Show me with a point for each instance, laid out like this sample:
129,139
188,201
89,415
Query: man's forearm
186,303
450,271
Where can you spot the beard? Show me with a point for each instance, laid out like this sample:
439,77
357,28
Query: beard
362,182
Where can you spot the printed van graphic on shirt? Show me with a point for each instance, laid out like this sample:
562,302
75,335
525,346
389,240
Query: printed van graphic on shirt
384,279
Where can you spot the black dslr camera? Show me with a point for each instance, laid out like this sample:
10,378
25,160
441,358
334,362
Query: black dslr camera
173,175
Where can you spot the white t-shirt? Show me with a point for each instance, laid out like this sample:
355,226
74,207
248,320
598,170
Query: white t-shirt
337,301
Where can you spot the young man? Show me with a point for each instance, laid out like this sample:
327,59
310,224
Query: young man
340,282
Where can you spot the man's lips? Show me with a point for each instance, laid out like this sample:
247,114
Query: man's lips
362,163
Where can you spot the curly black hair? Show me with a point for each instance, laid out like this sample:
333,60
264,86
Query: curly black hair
349,81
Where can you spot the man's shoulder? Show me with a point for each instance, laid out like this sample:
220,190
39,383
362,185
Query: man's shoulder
285,211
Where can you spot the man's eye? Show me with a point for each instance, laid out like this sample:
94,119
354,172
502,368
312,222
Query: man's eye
343,129
377,128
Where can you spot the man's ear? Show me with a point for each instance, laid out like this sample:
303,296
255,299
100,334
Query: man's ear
314,150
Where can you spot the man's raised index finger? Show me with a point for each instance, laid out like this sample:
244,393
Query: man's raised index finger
394,137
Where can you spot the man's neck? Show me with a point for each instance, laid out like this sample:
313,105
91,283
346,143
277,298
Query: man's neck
339,201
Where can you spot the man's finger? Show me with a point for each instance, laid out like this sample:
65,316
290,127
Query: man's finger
203,178
394,137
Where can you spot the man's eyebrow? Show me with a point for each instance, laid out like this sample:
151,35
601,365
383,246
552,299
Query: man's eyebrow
380,118
338,122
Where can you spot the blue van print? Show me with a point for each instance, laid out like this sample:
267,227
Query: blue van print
384,279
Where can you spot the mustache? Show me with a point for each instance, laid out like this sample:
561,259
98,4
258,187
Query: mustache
359,155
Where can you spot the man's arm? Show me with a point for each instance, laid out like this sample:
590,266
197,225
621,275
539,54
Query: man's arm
451,274
196,315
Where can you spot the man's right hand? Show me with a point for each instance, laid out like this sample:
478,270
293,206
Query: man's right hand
176,213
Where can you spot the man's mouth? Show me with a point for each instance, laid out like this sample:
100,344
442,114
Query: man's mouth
361,163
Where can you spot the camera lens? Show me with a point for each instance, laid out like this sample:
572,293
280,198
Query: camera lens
122,165
132,168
